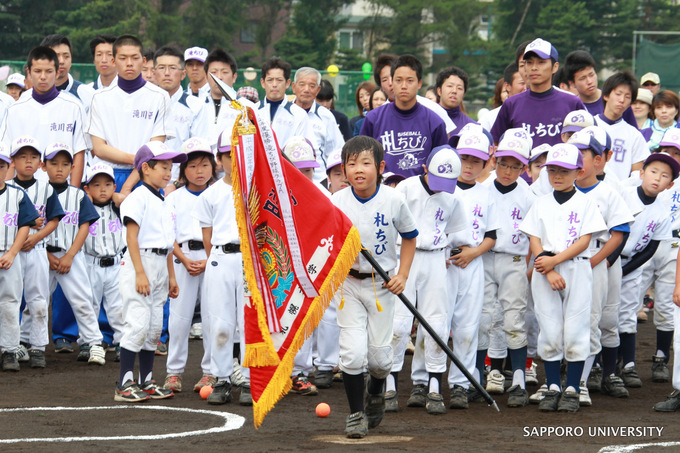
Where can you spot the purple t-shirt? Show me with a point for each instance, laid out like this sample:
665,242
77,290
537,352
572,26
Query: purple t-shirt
597,107
408,136
459,118
540,114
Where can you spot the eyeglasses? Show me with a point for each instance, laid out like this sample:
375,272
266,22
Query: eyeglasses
163,68
503,166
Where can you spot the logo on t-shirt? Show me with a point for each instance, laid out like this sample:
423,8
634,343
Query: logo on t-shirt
408,147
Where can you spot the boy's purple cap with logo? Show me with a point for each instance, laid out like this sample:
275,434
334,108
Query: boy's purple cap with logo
4,153
334,159
542,48
56,148
196,53
515,142
666,158
565,155
99,169
196,145
671,138
539,151
474,140
157,151
443,169
300,152
577,120
24,141
585,139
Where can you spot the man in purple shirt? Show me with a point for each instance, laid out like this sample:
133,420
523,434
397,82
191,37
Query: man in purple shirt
541,109
451,86
407,130
581,76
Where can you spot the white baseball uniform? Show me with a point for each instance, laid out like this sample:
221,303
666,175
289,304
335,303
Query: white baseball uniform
366,332
563,316
289,120
628,145
325,136
187,117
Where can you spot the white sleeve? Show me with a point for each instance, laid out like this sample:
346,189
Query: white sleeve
133,208
640,149
161,125
95,126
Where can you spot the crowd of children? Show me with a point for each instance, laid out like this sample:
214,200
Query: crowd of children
531,236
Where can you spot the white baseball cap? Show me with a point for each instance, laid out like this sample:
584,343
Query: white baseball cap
158,151
443,169
23,141
542,48
196,145
475,141
98,169
300,152
515,142
650,77
196,53
539,151
565,155
55,148
4,153
577,120
16,79
671,138
645,95
334,159
224,141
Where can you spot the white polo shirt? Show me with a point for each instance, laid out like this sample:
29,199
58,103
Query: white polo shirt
147,208
188,117
182,203
215,208
289,120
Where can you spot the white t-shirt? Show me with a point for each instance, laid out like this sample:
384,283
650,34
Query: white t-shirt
215,208
511,208
187,227
652,222
148,209
628,145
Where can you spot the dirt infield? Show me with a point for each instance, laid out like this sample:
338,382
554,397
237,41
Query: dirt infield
293,426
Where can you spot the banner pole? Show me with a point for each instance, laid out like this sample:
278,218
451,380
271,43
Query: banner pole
442,344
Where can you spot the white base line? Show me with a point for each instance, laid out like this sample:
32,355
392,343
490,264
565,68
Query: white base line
633,447
231,422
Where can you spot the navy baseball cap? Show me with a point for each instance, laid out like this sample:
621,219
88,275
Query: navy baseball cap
542,48
666,158
157,151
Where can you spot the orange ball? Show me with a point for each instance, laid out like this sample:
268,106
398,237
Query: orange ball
205,392
323,410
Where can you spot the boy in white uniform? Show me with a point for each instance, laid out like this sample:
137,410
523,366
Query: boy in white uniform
652,226
104,247
223,281
465,275
18,216
438,212
147,276
367,313
604,249
560,226
506,285
26,156
67,263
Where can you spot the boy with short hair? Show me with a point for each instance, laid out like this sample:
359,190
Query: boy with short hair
26,156
104,247
605,248
506,285
101,47
451,85
147,276
366,315
67,264
430,197
19,215
560,226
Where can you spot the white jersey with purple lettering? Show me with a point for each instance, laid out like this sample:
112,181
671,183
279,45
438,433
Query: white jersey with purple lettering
78,209
614,211
106,238
558,226
511,208
628,145
436,214
379,219
187,117
44,199
652,222
128,120
481,215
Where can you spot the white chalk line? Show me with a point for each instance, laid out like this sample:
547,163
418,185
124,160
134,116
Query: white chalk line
231,422
634,447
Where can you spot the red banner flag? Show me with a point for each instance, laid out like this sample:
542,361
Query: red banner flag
297,250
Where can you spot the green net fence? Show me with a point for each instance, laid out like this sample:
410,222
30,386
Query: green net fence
661,59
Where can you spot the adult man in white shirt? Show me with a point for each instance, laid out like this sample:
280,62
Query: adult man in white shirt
101,47
194,59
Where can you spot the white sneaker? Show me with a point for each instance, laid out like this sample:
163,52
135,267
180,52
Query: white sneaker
196,331
97,355
584,395
22,353
530,376
495,382
237,379
538,396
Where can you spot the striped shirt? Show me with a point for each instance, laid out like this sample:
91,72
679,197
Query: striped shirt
16,211
78,209
44,198
106,234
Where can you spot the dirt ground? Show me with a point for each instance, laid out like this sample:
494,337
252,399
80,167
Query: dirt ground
293,426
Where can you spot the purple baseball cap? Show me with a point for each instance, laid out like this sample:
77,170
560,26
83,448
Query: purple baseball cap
542,48
224,141
300,152
539,151
577,120
474,140
584,139
671,138
196,145
157,151
666,158
4,153
565,155
443,169
56,148
515,142
334,159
